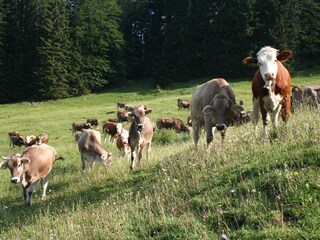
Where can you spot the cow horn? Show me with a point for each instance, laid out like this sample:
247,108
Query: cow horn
5,158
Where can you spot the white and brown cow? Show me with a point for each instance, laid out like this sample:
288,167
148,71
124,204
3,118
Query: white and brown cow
33,165
212,105
140,134
91,150
111,129
172,123
270,86
122,140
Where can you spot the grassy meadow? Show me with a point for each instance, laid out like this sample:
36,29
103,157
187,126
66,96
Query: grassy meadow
244,189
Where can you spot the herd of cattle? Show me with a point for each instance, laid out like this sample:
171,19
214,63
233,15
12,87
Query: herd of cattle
213,105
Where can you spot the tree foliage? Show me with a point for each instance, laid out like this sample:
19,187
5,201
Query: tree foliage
56,49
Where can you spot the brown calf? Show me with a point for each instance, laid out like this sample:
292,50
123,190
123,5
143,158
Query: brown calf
172,123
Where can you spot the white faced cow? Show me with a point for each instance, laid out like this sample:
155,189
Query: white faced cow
140,133
212,104
33,165
270,86
91,150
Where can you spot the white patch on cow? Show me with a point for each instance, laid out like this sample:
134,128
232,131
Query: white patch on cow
272,101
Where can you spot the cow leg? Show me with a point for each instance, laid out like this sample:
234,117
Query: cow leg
275,116
148,150
265,120
255,118
133,154
139,151
196,133
29,191
44,185
286,105
209,134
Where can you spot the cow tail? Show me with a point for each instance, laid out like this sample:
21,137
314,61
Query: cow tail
60,158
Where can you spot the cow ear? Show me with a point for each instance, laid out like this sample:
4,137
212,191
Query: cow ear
250,61
207,109
148,111
25,160
236,108
3,165
284,55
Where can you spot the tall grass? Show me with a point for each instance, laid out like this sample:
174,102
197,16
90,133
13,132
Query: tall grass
245,188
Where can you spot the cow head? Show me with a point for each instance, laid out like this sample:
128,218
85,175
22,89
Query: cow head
105,159
267,61
137,117
17,166
221,108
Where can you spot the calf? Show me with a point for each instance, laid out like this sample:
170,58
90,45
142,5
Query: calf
33,165
110,128
91,150
212,104
140,134
15,139
270,86
183,104
80,127
172,123
123,143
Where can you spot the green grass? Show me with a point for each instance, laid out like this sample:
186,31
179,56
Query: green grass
246,188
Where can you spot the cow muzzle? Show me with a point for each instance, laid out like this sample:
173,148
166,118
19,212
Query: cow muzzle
269,76
15,179
221,127
140,127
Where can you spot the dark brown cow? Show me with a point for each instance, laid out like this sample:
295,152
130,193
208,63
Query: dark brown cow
172,123
270,86
140,134
33,165
15,139
122,116
111,129
91,150
93,121
212,104
183,104
80,126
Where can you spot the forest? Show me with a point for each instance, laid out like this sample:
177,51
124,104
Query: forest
55,49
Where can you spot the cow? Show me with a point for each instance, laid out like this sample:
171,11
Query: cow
183,104
122,140
93,121
172,123
140,134
80,126
15,139
242,117
122,116
34,164
129,108
270,86
43,138
121,104
212,104
305,94
31,140
110,128
91,150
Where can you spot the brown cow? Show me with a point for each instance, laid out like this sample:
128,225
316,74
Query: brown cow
172,123
91,150
111,128
140,134
33,165
212,104
80,126
270,86
93,121
183,104
15,139
122,116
